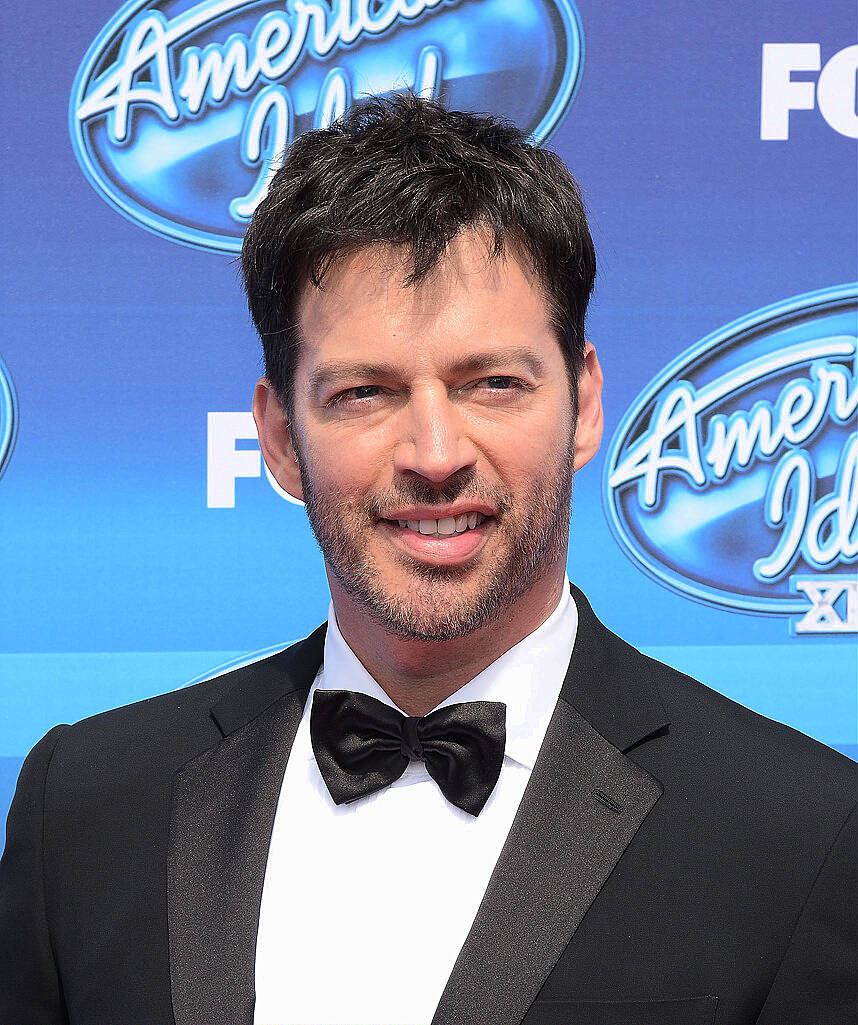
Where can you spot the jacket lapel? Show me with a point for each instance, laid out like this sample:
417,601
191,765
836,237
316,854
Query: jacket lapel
224,802
583,805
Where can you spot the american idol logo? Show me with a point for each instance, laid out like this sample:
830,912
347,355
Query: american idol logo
733,479
8,417
180,111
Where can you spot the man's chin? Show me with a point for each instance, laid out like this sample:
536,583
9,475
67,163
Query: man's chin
417,625
427,610
422,573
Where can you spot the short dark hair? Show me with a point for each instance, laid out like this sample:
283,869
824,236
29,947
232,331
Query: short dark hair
402,170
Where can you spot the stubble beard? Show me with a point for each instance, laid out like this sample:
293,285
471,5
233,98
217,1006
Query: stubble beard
444,603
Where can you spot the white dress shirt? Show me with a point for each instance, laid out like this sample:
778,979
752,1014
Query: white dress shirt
365,906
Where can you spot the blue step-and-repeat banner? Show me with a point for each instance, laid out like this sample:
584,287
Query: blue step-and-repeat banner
143,544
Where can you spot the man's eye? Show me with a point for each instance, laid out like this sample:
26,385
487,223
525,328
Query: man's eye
498,383
362,391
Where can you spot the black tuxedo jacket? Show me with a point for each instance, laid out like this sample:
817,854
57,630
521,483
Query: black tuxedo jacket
676,860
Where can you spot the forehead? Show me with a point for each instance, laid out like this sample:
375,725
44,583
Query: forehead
469,301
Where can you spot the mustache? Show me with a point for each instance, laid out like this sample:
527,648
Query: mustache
464,484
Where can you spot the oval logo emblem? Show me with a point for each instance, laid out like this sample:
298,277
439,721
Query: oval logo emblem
8,417
733,480
178,110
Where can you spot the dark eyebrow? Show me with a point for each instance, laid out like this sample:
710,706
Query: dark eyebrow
331,373
481,362
476,363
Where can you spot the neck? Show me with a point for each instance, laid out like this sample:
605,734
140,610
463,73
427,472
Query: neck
418,675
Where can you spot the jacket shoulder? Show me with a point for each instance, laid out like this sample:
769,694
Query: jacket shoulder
718,725
721,724
164,731
721,751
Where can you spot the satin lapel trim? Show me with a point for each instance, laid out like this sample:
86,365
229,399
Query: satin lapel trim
224,802
583,805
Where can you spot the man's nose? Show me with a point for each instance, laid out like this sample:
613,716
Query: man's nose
435,442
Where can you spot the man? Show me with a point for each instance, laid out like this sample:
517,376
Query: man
466,801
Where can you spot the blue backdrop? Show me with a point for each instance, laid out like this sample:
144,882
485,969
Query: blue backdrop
142,543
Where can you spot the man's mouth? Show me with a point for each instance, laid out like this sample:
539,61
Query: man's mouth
443,540
447,526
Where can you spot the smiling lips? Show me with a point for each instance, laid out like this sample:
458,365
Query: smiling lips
449,540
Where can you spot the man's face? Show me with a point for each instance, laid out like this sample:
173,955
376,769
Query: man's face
433,431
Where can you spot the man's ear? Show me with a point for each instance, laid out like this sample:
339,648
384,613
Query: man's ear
275,439
588,433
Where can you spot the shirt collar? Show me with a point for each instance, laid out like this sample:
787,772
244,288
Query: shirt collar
527,678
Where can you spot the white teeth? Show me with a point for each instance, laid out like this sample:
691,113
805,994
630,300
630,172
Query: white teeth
447,526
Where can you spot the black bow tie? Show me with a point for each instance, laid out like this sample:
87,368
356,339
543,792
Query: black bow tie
362,745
